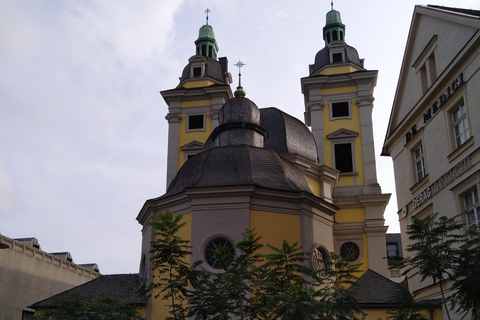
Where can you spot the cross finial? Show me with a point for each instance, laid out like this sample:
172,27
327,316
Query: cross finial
330,3
239,65
207,11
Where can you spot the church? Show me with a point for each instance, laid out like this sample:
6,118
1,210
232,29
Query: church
233,166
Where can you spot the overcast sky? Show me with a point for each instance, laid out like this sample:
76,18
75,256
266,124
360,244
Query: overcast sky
82,124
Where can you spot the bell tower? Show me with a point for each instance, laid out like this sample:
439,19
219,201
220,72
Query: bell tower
338,96
194,103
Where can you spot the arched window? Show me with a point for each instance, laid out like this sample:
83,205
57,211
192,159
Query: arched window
204,50
341,35
210,51
328,37
335,35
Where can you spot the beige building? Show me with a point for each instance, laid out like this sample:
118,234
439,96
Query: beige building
28,275
434,126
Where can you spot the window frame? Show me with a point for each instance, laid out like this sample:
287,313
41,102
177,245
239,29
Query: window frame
337,49
343,136
474,208
187,125
352,156
463,188
416,161
426,65
461,121
331,108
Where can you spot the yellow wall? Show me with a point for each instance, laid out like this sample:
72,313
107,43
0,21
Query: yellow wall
350,215
381,314
198,84
338,70
364,262
186,137
315,186
275,227
159,308
353,124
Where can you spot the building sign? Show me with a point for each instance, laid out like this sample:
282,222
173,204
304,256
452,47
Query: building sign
457,83
452,88
442,182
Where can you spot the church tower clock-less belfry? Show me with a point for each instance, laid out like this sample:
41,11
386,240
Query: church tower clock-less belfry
194,104
338,107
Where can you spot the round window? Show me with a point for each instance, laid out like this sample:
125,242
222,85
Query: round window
349,251
213,252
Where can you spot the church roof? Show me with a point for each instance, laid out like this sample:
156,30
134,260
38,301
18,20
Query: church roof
322,58
238,165
373,289
124,286
287,134
213,69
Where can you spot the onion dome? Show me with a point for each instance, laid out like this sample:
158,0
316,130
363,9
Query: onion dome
206,43
334,28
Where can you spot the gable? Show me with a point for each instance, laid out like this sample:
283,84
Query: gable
434,32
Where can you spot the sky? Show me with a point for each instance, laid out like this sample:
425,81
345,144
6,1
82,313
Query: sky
83,135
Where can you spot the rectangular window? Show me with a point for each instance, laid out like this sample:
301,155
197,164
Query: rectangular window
340,109
425,65
472,207
197,72
196,122
337,58
392,250
419,163
460,125
394,273
343,157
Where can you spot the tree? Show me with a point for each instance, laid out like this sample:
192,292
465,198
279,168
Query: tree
100,307
436,245
405,310
169,258
466,296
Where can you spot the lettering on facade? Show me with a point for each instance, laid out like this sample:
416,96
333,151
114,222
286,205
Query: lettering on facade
442,182
457,83
411,133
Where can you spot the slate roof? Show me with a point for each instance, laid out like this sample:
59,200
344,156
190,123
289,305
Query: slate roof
286,134
322,58
213,69
125,286
236,166
457,10
375,290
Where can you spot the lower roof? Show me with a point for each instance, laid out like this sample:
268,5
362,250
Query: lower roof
124,286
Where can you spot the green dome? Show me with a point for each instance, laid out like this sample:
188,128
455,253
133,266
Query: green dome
206,31
333,17
334,28
206,43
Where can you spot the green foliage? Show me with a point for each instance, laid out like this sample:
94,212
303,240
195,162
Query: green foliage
442,253
169,258
467,277
228,293
100,307
435,245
